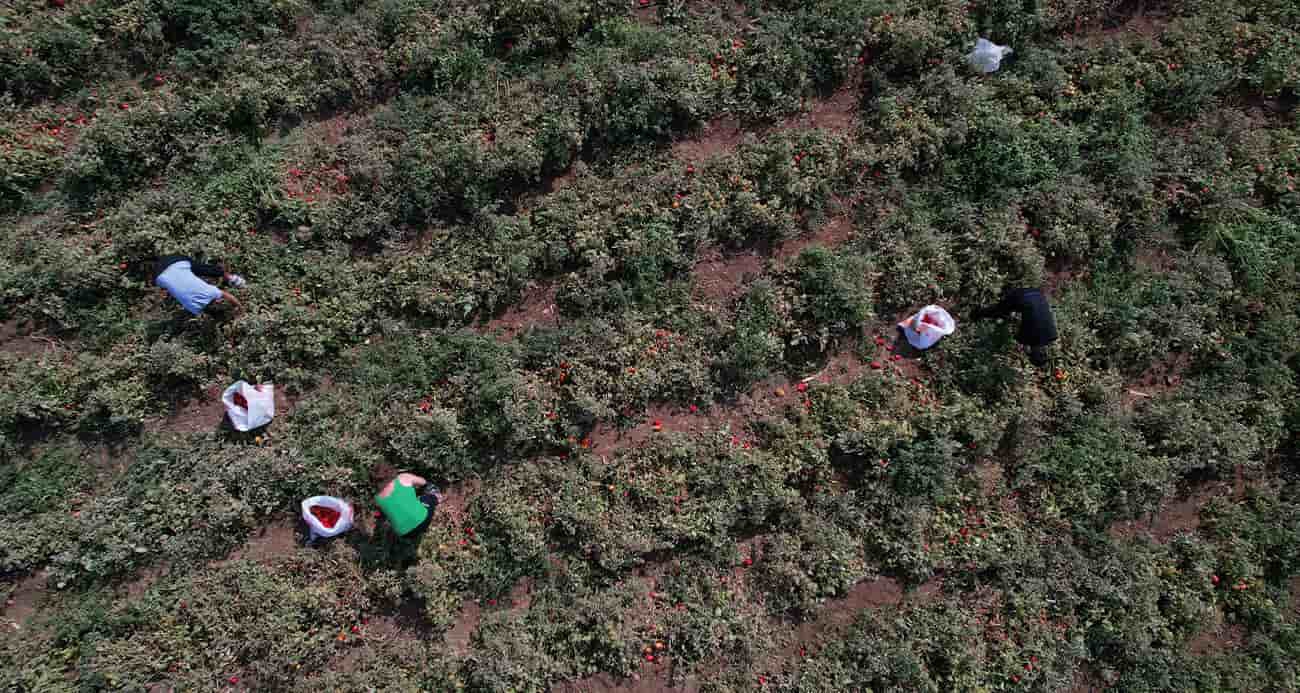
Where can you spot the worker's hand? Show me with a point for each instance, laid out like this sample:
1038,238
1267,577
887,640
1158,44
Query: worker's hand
225,295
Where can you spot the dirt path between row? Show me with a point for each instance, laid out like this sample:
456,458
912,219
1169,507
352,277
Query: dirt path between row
1160,379
207,413
23,601
16,340
537,309
1183,513
837,113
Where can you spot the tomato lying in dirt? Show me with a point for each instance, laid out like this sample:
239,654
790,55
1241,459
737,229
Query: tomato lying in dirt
327,516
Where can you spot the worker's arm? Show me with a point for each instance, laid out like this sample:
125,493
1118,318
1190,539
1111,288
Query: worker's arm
411,479
225,296
1001,309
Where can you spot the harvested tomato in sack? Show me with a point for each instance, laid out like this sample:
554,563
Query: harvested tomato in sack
248,406
327,516
927,327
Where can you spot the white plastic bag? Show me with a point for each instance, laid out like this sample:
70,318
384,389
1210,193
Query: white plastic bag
922,334
987,56
261,405
318,528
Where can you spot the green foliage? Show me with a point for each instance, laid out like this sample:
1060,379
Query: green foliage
1094,474
883,653
800,54
544,254
756,342
831,290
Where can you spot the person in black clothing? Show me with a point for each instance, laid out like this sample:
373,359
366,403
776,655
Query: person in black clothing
1037,326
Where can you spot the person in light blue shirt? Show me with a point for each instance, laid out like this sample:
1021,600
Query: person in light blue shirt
179,275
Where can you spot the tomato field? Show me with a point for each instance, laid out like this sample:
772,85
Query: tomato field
621,278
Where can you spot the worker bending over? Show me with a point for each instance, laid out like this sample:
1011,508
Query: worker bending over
1037,325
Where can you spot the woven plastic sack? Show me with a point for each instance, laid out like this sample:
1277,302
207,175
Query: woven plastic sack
928,326
987,56
318,528
256,409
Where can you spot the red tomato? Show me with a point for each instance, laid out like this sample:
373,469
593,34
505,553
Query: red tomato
327,516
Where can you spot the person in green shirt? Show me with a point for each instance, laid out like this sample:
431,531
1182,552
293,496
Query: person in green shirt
407,511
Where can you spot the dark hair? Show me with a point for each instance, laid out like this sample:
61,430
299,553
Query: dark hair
382,473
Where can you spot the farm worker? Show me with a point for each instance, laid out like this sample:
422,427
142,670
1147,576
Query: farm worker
406,511
179,275
1037,326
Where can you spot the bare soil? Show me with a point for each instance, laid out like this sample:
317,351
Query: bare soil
18,341
108,460
560,181
204,413
280,538
1175,516
839,614
1087,681
647,14
23,601
837,231
207,413
1146,25
991,478
719,277
407,621
718,137
731,11
1160,379
143,581
761,400
521,595
458,637
455,500
537,309
1220,638
1295,600
268,544
607,439
837,113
